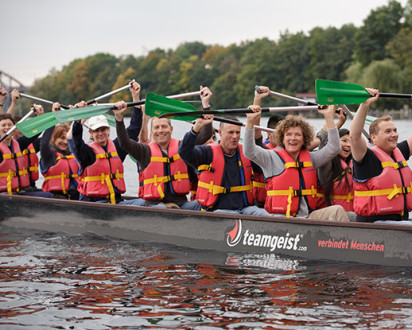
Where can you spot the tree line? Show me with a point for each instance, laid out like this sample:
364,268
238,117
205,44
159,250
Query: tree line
377,54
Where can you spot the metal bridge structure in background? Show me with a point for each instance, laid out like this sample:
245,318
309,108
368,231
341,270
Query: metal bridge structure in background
10,83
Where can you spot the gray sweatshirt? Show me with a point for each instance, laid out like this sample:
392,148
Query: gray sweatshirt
272,164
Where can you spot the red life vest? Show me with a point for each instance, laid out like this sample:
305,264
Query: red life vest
155,175
57,178
268,145
32,162
210,178
98,179
343,187
384,194
13,172
259,186
285,190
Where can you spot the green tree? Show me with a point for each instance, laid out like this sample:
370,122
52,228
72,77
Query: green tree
378,29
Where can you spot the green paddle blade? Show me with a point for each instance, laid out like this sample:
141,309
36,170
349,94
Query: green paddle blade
110,119
335,92
157,105
81,113
36,125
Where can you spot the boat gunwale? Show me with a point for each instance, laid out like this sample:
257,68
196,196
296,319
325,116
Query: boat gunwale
277,219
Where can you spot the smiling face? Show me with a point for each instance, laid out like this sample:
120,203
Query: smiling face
345,149
230,136
5,126
61,142
386,136
293,141
161,132
100,135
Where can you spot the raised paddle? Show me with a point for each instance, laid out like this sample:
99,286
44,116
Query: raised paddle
34,98
91,111
159,106
36,125
335,92
350,114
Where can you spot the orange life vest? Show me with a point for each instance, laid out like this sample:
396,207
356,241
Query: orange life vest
98,179
154,177
384,194
210,178
285,190
13,171
32,162
57,178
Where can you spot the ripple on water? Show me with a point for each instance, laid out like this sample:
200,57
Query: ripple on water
90,282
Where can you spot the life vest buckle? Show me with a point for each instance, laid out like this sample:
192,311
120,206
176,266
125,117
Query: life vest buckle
401,164
297,193
299,164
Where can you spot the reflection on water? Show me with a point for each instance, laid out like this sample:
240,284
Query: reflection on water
89,282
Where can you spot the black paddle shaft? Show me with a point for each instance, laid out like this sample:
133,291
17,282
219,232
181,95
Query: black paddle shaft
395,95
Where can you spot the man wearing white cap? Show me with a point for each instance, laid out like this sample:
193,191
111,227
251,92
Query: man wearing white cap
101,160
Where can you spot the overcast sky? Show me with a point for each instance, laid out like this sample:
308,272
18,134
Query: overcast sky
38,35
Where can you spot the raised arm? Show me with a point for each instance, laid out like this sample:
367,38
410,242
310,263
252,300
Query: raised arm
357,142
257,100
15,95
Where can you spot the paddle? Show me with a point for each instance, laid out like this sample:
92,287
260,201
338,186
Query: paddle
109,94
11,130
34,98
335,92
350,114
159,106
91,111
36,125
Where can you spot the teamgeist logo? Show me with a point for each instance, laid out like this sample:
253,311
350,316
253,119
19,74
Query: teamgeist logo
234,236
273,242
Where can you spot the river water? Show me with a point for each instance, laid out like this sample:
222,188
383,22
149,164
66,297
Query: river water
60,281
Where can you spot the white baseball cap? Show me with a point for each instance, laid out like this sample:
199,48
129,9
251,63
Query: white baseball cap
97,122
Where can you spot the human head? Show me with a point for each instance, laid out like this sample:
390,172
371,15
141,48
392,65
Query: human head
383,133
294,121
272,123
161,131
229,135
6,123
59,137
99,129
345,149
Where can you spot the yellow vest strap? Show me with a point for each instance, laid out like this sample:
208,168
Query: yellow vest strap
205,167
293,193
391,192
258,184
298,164
215,190
107,155
165,159
65,157
12,156
394,165
348,197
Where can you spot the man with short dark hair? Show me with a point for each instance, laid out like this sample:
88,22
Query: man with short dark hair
381,175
